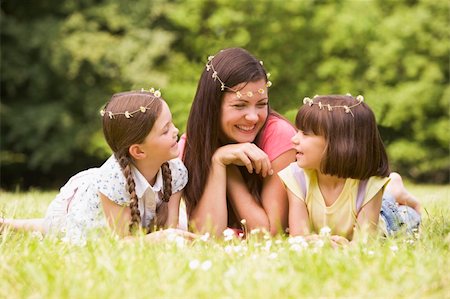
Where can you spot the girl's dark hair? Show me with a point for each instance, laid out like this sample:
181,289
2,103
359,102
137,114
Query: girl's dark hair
354,148
203,130
121,132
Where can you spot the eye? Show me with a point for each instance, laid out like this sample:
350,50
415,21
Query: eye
262,105
239,106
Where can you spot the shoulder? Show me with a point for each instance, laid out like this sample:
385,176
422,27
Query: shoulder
276,137
277,125
111,181
179,174
181,145
374,185
290,180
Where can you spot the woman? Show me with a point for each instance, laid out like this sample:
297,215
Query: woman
233,145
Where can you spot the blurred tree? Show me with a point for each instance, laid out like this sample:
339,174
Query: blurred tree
60,62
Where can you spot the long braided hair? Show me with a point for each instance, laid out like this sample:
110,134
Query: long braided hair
122,131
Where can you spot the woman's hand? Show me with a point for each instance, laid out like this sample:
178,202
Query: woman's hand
244,154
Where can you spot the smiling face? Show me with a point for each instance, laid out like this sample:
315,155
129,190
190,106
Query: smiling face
241,119
310,149
161,143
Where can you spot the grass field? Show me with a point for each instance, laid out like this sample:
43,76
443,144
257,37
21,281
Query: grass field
36,267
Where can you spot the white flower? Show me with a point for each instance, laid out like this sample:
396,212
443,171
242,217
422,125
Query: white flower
206,265
273,255
228,234
296,240
319,243
231,272
237,248
268,245
394,248
194,264
325,231
205,237
180,241
296,247
255,231
38,235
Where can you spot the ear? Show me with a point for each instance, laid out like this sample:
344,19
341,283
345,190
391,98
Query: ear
136,152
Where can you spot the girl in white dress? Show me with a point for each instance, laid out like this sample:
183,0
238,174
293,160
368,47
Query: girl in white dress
139,186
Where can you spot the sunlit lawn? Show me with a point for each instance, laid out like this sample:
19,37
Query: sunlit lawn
32,267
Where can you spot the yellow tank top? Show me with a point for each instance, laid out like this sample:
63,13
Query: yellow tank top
340,217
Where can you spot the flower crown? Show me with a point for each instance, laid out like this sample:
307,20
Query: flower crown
129,114
347,109
215,76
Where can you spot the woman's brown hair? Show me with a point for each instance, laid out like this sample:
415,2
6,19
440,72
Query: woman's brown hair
121,132
354,146
203,131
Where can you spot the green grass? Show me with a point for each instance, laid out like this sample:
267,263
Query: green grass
32,267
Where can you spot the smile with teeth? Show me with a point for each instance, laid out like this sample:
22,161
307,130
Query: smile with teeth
245,128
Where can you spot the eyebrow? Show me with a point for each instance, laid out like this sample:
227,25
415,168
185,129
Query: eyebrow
246,101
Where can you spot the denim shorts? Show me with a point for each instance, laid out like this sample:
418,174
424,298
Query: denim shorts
398,217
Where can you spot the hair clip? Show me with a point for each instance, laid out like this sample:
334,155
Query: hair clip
129,114
347,109
215,76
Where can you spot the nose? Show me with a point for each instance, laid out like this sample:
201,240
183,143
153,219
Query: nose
251,115
296,138
175,130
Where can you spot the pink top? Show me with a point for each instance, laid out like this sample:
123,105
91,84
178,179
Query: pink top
275,139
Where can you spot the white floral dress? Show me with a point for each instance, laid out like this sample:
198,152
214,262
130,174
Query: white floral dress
76,211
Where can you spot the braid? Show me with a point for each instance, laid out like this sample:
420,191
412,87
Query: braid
160,218
124,162
167,179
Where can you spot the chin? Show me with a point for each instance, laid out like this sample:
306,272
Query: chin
242,138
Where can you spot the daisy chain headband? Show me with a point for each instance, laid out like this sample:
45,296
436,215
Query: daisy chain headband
347,109
129,114
215,76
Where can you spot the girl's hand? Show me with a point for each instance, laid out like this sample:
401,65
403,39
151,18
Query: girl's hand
244,154
338,241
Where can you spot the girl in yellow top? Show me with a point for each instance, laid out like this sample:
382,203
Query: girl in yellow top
341,172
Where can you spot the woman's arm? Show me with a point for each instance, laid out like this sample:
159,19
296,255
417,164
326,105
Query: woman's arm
272,213
211,212
245,206
117,216
274,195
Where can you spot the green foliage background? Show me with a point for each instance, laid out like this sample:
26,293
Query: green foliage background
61,61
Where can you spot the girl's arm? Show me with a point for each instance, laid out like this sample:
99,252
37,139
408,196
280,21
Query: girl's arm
117,216
367,220
211,213
298,216
173,210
